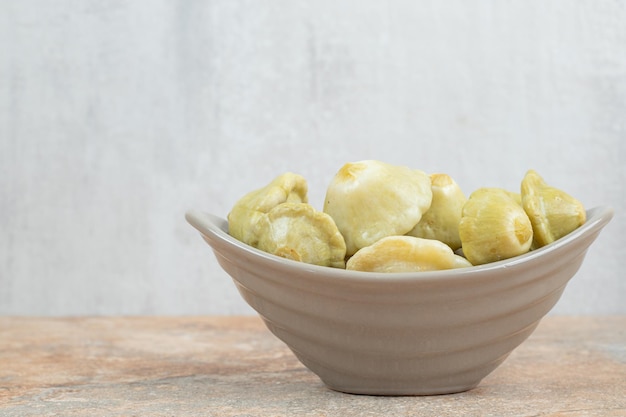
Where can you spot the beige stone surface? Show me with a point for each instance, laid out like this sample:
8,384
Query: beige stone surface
233,366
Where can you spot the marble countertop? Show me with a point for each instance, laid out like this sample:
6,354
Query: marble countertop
233,366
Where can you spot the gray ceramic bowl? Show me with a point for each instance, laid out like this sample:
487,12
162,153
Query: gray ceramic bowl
406,333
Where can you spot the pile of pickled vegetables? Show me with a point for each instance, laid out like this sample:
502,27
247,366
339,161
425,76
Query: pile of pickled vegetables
388,218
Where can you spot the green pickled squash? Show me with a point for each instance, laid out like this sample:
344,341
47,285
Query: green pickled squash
494,227
552,212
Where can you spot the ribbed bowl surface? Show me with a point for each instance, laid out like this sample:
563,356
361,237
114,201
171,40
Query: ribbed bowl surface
406,333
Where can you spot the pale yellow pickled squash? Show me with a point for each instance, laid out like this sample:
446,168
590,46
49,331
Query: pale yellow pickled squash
441,221
370,200
515,196
247,211
299,232
494,226
552,212
405,254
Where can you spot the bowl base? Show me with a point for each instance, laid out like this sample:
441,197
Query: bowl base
401,391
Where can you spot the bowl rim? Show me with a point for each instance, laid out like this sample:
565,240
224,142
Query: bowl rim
215,230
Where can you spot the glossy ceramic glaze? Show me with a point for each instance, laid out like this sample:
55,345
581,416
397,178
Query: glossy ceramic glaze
405,333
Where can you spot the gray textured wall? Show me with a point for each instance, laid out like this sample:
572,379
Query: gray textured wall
116,117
